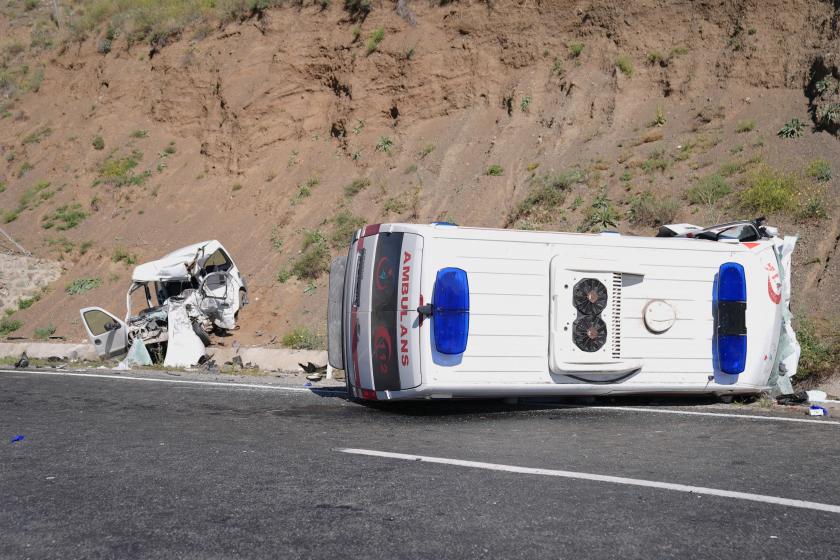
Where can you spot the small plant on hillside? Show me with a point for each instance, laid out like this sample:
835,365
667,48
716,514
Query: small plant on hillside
495,170
819,169
827,84
65,217
357,186
744,126
394,205
829,115
813,208
37,136
98,143
82,285
119,171
546,194
122,255
659,118
655,58
237,187
43,333
525,103
770,191
25,168
302,338
9,325
656,161
649,210
314,257
575,49
557,68
792,129
374,39
384,144
139,134
600,215
625,177
625,65
427,149
276,239
708,190
820,347
345,223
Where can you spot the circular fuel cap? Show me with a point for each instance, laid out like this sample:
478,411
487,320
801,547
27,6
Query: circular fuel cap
659,316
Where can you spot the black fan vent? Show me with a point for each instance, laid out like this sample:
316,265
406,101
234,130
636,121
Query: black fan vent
589,333
589,296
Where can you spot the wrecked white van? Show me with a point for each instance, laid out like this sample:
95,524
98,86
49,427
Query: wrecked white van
183,296
440,311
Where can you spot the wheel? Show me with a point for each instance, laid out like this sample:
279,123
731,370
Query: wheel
201,334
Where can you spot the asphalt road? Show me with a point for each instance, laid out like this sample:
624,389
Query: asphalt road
128,469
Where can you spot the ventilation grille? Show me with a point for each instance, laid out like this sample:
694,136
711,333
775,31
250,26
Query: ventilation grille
616,315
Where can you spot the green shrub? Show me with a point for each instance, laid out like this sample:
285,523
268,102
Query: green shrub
649,210
546,194
355,187
122,255
38,135
25,168
656,161
374,39
770,191
64,217
792,129
744,126
525,103
119,171
82,285
345,224
829,115
820,345
98,143
26,303
624,64
427,149
139,134
314,256
302,338
495,170
600,215
708,190
819,169
384,144
43,333
9,325
659,118
575,49
395,205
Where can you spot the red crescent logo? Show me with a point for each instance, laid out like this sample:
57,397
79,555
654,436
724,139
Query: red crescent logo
775,296
383,346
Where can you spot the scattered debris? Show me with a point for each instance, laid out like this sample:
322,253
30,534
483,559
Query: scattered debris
17,438
794,398
815,410
23,362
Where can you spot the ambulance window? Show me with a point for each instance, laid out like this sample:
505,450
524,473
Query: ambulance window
741,232
216,262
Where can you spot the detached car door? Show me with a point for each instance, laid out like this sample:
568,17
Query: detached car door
108,334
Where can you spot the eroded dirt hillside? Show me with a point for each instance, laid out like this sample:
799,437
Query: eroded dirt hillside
305,120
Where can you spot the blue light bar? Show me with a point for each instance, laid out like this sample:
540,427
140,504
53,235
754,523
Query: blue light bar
730,300
451,311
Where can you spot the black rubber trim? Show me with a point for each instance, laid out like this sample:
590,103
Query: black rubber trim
732,318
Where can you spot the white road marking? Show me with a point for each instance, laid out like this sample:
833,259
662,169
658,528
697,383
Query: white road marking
722,414
817,506
178,381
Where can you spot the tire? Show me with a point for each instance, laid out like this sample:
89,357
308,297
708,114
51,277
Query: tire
201,334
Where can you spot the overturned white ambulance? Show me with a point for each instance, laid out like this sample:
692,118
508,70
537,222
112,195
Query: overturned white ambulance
441,311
